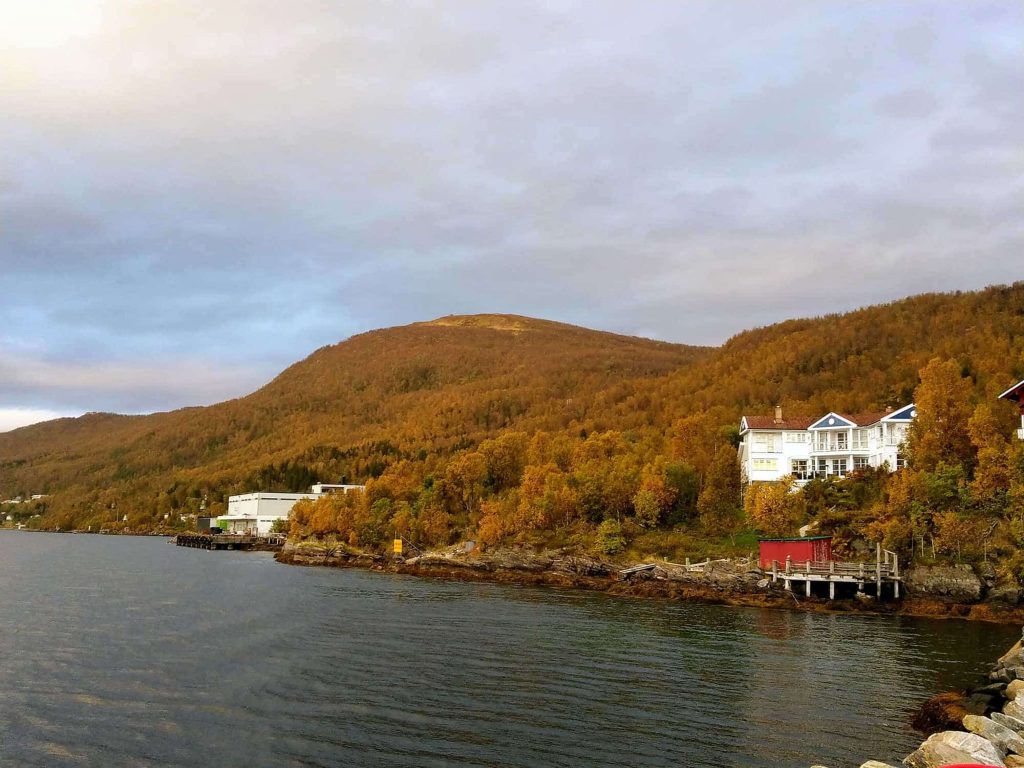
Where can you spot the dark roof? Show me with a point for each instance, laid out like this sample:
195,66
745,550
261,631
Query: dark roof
866,419
769,422
801,538
1015,393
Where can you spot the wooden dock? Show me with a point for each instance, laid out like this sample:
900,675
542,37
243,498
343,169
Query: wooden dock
228,541
884,571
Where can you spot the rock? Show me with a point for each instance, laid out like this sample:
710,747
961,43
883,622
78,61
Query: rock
1001,675
1012,656
1013,709
992,689
1014,761
875,764
583,566
1014,689
951,747
1010,722
979,703
1006,592
1002,737
955,583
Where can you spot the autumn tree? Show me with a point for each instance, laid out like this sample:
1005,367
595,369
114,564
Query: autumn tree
464,481
719,499
772,508
505,459
940,431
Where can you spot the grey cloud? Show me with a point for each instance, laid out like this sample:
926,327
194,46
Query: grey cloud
239,183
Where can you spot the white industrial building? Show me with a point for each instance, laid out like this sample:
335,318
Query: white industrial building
254,514
833,445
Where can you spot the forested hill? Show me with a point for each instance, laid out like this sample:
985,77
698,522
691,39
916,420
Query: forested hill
346,412
588,419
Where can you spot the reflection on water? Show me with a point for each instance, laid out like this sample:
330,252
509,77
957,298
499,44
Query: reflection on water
124,652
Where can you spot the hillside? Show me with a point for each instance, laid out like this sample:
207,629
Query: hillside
502,426
345,412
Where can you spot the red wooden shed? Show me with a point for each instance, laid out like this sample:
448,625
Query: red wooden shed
815,548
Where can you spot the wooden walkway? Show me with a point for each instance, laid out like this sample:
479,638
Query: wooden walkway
885,570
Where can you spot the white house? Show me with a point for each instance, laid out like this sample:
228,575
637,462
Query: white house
832,445
256,513
1015,394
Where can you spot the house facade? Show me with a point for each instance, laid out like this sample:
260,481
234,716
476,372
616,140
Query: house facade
833,445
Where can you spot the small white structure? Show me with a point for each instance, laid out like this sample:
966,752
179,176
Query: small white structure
322,488
254,514
832,445
1015,394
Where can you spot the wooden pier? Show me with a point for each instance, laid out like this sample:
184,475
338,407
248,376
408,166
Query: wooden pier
885,570
228,541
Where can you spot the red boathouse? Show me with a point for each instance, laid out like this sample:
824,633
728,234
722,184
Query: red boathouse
817,549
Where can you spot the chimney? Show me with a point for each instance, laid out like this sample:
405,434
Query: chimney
888,409
778,414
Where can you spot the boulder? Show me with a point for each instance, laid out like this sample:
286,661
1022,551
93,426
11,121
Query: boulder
1009,722
1012,656
1006,592
1014,689
952,747
1014,761
954,583
875,764
981,703
1003,738
1013,709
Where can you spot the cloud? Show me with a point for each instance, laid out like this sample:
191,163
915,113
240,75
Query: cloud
221,188
122,387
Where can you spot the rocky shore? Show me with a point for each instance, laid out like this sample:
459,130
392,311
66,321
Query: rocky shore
983,726
937,591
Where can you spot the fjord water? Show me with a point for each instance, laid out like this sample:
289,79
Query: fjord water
118,651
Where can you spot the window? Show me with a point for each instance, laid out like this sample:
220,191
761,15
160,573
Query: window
822,466
860,462
821,441
766,442
839,467
800,469
796,437
860,439
842,441
765,465
901,461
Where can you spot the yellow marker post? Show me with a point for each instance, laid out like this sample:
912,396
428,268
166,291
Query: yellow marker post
398,546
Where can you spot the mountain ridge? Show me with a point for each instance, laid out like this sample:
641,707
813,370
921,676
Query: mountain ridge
422,393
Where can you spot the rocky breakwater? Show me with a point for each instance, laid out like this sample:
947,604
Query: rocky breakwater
983,727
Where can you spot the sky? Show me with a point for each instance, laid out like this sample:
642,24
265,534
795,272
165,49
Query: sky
194,195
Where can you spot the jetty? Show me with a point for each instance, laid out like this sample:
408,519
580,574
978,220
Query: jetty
885,571
229,541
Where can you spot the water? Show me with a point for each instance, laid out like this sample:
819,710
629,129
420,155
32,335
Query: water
120,651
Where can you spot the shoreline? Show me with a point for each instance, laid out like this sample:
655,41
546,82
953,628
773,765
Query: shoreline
721,590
